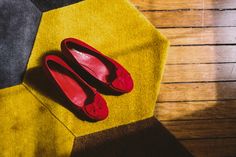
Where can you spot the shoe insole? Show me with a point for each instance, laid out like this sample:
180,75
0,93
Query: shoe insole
78,92
97,65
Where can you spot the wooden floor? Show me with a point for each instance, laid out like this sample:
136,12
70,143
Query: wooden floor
197,102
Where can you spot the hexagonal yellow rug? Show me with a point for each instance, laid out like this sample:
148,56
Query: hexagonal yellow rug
40,118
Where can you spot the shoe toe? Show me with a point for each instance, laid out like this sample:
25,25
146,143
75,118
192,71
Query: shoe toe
97,110
123,81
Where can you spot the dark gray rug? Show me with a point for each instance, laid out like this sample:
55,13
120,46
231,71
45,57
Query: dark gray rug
19,21
45,5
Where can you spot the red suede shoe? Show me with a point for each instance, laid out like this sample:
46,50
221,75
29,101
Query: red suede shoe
76,90
96,67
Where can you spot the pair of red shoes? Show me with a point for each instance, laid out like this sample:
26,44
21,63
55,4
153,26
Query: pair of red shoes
86,65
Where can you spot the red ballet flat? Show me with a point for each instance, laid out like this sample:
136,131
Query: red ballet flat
96,66
75,89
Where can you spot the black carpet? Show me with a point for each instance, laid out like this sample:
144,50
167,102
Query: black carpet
19,20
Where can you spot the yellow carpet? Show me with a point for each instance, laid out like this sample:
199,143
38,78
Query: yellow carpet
115,28
28,128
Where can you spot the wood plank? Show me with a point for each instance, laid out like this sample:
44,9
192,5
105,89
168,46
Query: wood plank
195,110
192,18
198,91
215,128
195,36
183,4
199,72
211,147
202,54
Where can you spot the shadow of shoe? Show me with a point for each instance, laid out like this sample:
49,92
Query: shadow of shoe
36,78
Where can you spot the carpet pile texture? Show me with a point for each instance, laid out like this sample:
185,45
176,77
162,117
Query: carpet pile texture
35,117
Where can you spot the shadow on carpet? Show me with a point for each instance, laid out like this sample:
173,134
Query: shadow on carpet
146,138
